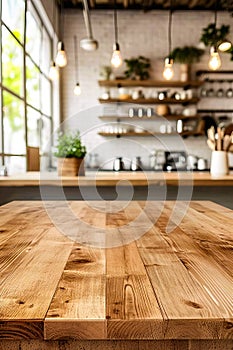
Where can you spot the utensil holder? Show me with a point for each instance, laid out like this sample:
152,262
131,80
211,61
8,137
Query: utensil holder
219,163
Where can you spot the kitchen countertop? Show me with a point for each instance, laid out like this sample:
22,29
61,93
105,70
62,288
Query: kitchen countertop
111,178
162,286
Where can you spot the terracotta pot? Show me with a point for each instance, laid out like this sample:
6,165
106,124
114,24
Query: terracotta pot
70,166
163,110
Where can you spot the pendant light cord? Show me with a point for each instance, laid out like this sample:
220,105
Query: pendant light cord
115,22
215,21
170,30
61,29
54,23
76,57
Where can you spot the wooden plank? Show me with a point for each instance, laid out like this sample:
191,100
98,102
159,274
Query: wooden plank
30,285
210,344
183,276
116,345
150,83
132,308
151,100
78,306
164,345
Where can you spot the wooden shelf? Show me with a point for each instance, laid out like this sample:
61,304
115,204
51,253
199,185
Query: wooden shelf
149,83
151,101
146,133
145,118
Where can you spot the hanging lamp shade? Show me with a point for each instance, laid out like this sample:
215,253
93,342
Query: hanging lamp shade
77,89
53,72
116,60
61,58
224,45
214,60
89,43
168,71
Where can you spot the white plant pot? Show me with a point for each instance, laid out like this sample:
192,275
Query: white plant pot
219,163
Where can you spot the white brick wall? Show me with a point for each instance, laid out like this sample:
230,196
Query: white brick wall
139,34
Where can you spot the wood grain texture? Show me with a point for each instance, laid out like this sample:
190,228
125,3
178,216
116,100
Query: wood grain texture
161,291
78,306
117,345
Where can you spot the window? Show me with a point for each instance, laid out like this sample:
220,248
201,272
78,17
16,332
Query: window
26,91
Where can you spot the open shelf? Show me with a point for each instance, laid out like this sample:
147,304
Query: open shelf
151,101
145,118
146,133
149,83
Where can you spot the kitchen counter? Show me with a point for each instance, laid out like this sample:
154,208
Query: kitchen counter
162,291
111,178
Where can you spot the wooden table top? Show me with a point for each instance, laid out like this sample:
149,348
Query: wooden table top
111,178
176,285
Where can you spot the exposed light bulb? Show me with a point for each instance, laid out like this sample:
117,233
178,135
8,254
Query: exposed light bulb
225,45
168,72
61,59
77,89
53,72
116,60
214,61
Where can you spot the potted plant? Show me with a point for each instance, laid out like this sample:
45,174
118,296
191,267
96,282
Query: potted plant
213,36
106,72
186,56
137,68
70,153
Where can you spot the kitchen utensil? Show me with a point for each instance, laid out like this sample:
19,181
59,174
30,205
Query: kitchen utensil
140,112
202,164
211,134
191,162
229,129
219,139
131,112
118,164
211,144
210,90
175,160
136,164
203,91
219,163
220,91
229,92
179,126
163,110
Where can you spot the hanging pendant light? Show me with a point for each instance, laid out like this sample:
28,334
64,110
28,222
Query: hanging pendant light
168,72
214,60
225,45
89,43
77,88
61,58
116,59
53,71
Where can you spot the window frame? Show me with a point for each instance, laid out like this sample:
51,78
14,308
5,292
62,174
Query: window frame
43,29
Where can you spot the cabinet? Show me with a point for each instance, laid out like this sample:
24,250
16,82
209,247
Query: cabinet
145,85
